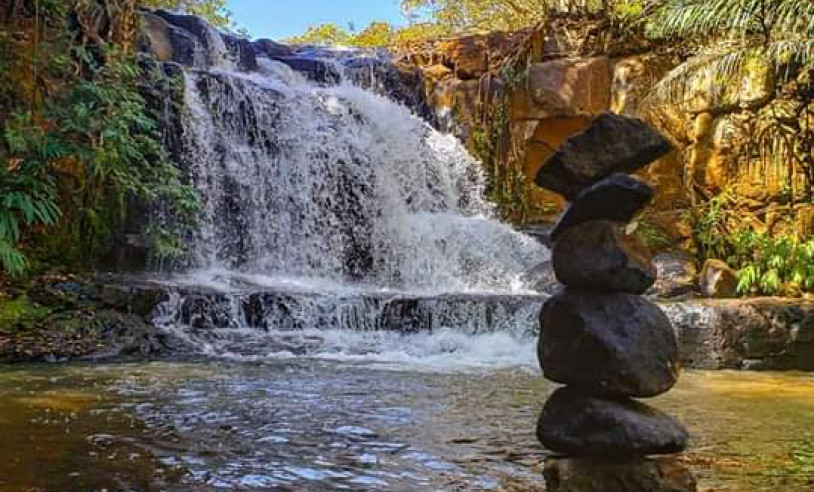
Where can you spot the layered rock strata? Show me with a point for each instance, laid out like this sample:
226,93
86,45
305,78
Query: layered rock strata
598,335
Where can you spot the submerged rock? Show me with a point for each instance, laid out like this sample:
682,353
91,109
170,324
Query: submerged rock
599,256
577,423
645,475
618,198
612,144
619,344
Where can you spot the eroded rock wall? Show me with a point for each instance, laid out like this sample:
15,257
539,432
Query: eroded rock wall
543,85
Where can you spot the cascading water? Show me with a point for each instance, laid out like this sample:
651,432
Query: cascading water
327,209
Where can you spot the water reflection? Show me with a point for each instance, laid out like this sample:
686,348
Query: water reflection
310,425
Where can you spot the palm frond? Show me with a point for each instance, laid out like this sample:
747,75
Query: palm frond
713,72
734,19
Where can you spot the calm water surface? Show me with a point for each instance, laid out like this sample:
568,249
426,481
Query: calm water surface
315,425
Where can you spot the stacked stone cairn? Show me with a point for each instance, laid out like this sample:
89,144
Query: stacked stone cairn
598,336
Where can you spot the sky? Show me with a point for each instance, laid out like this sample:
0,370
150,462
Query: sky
277,19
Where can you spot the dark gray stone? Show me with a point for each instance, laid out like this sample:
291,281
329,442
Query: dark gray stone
612,144
184,46
618,198
599,256
579,424
313,69
272,49
677,276
619,344
641,475
241,50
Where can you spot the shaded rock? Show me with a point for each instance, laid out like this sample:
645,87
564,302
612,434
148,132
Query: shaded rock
718,280
313,69
466,55
155,37
612,144
242,50
599,256
577,423
619,344
184,46
137,300
272,49
756,333
618,198
676,275
645,475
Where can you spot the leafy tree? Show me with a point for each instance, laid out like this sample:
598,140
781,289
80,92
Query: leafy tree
77,139
324,35
738,43
734,36
214,11
377,34
461,15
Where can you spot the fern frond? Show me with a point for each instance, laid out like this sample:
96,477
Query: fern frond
11,259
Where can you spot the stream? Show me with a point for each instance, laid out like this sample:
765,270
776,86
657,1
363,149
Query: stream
311,424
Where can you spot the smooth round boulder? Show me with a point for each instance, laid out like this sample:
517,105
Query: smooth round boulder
600,256
577,423
613,344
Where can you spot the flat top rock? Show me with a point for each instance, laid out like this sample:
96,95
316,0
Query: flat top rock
612,144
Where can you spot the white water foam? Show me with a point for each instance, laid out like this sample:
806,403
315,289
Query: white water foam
318,201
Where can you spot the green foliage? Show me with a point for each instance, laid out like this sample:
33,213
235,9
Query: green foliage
654,237
376,35
324,35
765,263
78,138
214,11
467,15
735,35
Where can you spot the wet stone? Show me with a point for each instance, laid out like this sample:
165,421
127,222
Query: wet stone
645,475
616,344
577,423
618,198
612,144
600,256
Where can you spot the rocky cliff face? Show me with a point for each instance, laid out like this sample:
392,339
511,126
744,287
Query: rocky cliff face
515,97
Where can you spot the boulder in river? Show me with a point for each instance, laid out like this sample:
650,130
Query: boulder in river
617,344
618,198
600,256
577,423
612,144
642,475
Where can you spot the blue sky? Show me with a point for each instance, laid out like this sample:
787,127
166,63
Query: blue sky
283,18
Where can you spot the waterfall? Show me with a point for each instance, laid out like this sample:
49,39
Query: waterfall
330,196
